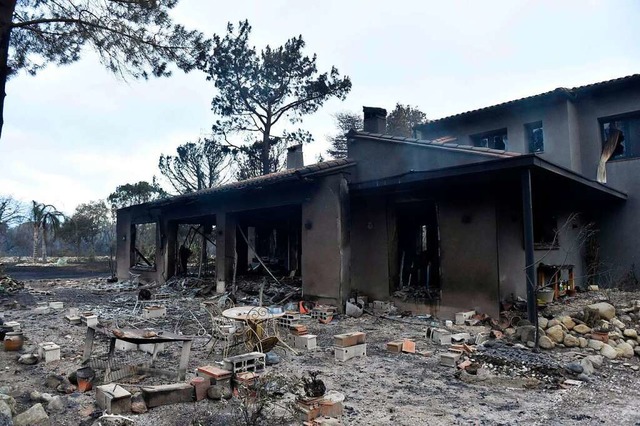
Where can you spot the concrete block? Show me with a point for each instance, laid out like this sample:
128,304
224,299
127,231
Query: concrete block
306,342
13,325
349,339
441,336
154,312
252,361
461,317
89,318
56,305
344,354
155,396
395,346
214,374
73,312
74,320
121,345
48,352
408,346
460,337
114,399
450,359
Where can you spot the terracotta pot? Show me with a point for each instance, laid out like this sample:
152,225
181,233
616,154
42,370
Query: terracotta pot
13,341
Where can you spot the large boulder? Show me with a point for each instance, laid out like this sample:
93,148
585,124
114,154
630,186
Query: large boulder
582,329
556,333
608,352
571,341
34,416
624,350
606,310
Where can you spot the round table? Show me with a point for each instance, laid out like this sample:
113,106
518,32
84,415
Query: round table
254,314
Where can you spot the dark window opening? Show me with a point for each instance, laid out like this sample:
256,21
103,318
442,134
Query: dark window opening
195,249
628,145
535,137
143,246
496,139
545,230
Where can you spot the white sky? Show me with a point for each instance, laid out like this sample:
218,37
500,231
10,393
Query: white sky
72,134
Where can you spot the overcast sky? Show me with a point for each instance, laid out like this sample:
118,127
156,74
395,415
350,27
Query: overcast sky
72,134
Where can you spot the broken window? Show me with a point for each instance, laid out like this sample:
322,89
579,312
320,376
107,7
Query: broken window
545,226
496,139
143,245
628,144
535,137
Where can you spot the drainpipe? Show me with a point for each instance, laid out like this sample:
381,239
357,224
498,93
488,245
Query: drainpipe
527,216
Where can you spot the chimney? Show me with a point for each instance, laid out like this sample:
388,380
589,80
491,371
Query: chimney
295,160
375,120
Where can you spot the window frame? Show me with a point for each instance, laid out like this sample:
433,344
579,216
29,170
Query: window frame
491,134
629,143
529,129
134,236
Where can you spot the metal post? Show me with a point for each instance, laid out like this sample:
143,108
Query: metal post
527,216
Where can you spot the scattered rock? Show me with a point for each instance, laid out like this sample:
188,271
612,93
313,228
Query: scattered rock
543,322
217,392
523,322
34,416
571,341
556,333
552,323
596,360
574,367
605,310
624,350
5,414
587,366
568,322
65,386
53,381
138,405
608,352
583,342
113,420
57,405
617,323
631,333
545,342
583,377
633,343
637,350
9,401
582,329
28,359
595,344
510,331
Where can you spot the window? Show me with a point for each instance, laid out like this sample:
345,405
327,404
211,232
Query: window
496,139
629,142
545,227
535,137
143,246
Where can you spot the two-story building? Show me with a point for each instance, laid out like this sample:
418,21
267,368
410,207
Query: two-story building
463,216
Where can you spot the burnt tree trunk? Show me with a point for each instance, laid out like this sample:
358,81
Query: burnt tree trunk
266,145
6,14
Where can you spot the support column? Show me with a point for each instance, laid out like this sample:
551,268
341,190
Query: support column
170,249
225,249
527,219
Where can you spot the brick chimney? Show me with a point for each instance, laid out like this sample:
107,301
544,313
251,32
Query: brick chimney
295,160
375,120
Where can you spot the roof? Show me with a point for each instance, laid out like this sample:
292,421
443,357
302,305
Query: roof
556,177
448,144
322,168
568,93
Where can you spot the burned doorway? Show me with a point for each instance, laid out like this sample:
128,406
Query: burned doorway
273,234
418,248
195,250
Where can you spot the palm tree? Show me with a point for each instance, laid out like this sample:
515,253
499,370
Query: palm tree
45,218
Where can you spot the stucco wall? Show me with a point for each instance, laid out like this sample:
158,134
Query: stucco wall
377,159
324,244
469,261
370,246
558,136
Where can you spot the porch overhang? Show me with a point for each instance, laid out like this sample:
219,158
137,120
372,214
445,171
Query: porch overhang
508,171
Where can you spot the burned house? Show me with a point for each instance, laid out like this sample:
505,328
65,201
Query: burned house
463,216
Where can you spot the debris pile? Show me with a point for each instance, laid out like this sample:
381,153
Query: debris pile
9,285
